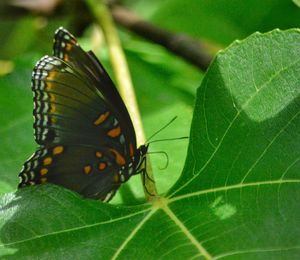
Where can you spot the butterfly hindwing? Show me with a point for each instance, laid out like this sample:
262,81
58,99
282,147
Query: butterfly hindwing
92,175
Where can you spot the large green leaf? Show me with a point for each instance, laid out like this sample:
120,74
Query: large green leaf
238,195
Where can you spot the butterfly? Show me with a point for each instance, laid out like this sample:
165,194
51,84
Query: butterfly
86,138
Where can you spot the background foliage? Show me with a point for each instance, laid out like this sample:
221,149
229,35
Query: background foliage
255,221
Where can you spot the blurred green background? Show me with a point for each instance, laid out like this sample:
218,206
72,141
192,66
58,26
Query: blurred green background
165,84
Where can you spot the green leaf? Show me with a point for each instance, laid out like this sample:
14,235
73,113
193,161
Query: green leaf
238,195
15,125
48,221
223,21
296,2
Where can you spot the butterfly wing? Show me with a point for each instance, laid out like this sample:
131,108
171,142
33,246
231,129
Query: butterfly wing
87,171
66,48
71,67
81,124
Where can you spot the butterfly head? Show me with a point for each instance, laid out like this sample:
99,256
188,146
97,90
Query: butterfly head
143,149
138,163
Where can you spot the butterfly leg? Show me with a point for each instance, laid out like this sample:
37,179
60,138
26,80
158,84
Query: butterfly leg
143,171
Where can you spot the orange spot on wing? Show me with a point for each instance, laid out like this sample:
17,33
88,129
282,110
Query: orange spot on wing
51,97
58,150
51,75
68,47
131,150
99,154
49,86
119,158
116,178
101,118
114,132
87,169
102,166
52,108
43,171
43,180
47,161
66,57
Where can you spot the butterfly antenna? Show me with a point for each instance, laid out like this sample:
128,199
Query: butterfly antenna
169,139
159,130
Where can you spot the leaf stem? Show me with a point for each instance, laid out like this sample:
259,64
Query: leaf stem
123,79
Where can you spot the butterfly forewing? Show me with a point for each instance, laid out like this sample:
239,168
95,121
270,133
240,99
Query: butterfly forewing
87,141
67,109
66,48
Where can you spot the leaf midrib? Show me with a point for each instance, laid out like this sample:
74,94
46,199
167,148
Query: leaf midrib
162,203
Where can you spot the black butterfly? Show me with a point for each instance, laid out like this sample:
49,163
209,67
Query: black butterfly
86,138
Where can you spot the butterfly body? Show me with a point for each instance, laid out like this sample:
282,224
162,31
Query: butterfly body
86,138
